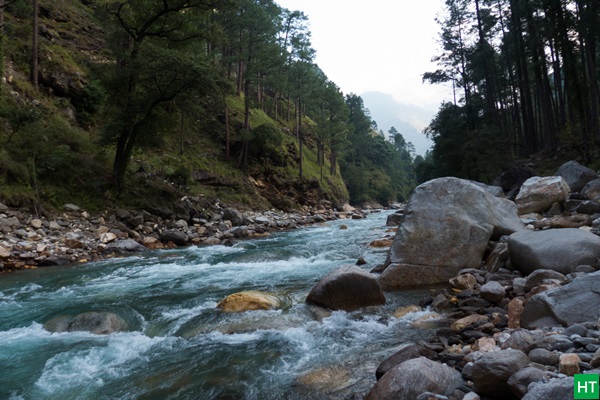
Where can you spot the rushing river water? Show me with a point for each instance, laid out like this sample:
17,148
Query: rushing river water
179,346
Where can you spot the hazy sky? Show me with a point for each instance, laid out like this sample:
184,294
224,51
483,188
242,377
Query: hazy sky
376,45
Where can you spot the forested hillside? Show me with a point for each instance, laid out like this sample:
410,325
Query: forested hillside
525,81
132,102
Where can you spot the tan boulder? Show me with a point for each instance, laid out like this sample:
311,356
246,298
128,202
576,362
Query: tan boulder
515,309
569,364
381,243
462,323
464,281
249,301
539,193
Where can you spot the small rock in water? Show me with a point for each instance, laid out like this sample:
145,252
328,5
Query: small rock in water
401,312
249,301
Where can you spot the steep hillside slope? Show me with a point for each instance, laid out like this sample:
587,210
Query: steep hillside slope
53,136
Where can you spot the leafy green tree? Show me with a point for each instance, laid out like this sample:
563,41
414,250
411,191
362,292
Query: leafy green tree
158,45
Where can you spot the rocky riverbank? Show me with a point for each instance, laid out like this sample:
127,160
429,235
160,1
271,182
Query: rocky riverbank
522,306
75,235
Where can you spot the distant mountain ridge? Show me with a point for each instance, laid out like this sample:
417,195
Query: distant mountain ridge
408,119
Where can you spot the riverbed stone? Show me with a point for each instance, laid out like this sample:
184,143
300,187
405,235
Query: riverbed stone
520,381
456,218
175,236
560,250
563,305
492,292
463,281
544,357
124,247
541,276
491,372
568,364
554,389
347,288
414,377
539,193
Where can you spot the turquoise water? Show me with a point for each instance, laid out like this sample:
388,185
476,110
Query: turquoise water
179,346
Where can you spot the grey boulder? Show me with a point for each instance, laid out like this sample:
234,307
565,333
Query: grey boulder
555,389
576,302
560,250
455,217
347,288
414,377
492,370
576,175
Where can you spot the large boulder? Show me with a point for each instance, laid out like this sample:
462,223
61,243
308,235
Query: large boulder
560,250
539,193
347,288
576,175
490,373
447,225
413,377
250,300
576,302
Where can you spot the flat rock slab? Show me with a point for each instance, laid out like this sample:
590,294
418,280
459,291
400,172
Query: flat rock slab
560,250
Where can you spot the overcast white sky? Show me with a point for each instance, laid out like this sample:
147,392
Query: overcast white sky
376,45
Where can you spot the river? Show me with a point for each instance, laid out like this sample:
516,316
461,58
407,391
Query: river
179,346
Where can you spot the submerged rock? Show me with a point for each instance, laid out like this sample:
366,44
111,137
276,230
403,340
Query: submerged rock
326,380
347,288
100,323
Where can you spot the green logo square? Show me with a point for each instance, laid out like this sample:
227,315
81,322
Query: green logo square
586,386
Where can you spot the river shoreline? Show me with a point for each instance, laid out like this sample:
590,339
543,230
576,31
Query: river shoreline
29,241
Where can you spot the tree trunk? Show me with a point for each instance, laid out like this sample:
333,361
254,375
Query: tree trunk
300,138
2,5
34,44
226,131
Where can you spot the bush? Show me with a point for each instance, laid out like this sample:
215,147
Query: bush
91,101
266,139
